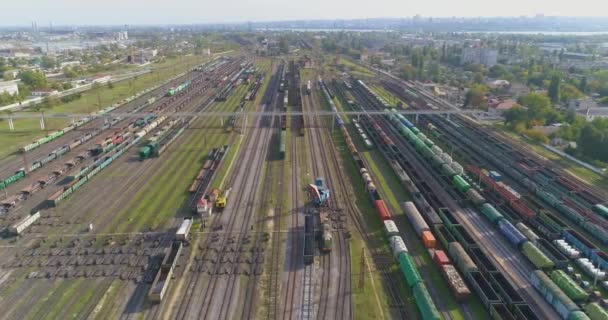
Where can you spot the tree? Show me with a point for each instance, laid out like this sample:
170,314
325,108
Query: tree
478,78
583,85
33,79
283,46
569,91
498,71
47,62
474,67
476,97
554,89
515,115
70,73
407,72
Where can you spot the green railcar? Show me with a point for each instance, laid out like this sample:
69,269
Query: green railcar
537,257
426,306
595,311
408,269
491,213
460,184
569,286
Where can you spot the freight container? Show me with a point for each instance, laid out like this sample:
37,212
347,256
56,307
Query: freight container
443,235
397,246
601,210
578,315
515,237
382,210
426,210
483,288
183,230
463,236
495,176
526,231
537,257
579,242
596,312
459,289
491,213
408,269
309,244
503,287
498,311
461,258
440,258
425,304
600,258
569,286
552,253
460,183
418,223
553,294
524,312
481,259
391,228
447,217
428,239
475,197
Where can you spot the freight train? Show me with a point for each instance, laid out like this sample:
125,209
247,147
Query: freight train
489,279
175,90
407,267
163,277
329,98
550,290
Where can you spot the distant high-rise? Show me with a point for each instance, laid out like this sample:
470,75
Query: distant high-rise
478,55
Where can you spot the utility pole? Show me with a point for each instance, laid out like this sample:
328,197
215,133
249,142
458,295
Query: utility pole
362,271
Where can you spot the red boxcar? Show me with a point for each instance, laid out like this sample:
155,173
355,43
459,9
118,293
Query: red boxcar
524,211
441,258
382,210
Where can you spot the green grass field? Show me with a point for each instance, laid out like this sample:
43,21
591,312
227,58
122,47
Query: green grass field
28,130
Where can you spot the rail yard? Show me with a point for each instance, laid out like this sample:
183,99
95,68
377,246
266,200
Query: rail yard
279,212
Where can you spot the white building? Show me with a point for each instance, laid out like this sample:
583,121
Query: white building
101,79
477,55
69,64
122,36
9,86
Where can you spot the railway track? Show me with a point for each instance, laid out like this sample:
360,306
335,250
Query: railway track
10,165
324,156
250,154
478,229
109,217
260,145
137,177
176,102
382,261
250,298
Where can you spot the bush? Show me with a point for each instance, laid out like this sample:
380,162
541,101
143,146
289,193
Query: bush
536,135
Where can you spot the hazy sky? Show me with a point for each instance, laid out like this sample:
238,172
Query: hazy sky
23,12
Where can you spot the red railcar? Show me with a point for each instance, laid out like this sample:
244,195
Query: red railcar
382,210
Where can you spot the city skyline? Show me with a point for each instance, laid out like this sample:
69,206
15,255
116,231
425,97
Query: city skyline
113,12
